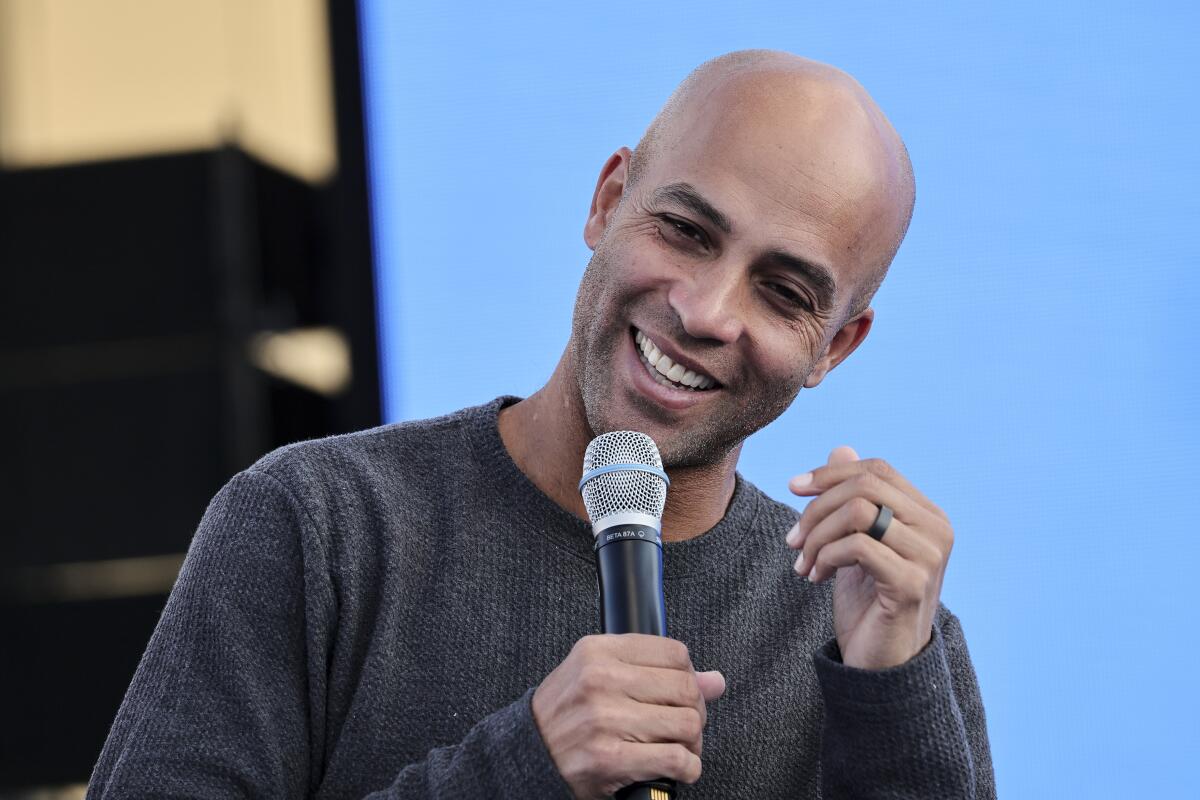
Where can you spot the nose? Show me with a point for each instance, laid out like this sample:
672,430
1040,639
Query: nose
708,302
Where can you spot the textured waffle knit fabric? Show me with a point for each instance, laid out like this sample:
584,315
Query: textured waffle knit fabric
368,615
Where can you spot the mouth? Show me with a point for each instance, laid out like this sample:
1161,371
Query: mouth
666,371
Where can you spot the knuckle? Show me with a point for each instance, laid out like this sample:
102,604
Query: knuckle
679,758
678,653
862,513
859,544
687,766
880,467
587,646
594,678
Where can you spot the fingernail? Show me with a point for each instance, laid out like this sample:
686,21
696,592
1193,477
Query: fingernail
799,561
812,575
801,481
793,535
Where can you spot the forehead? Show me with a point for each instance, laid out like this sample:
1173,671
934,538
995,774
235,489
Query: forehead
800,163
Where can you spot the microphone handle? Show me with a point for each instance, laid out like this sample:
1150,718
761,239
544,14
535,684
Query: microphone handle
629,568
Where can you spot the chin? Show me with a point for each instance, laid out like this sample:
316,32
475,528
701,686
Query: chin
678,445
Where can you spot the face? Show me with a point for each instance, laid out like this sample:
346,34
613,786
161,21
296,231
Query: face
735,256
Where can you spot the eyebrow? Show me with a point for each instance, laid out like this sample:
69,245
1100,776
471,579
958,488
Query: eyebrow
821,278
685,194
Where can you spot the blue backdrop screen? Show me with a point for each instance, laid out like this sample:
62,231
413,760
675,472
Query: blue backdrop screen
1033,336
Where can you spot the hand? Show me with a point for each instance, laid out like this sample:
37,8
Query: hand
624,708
886,591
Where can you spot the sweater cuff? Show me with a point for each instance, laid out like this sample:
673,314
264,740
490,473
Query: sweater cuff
530,771
894,732
869,694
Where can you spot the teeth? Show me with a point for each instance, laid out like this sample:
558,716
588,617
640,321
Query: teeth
666,371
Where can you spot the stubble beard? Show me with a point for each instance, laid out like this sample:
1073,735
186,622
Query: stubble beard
595,342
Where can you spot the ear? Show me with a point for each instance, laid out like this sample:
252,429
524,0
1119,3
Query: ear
609,188
844,342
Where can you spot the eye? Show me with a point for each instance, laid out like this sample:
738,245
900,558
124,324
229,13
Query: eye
682,230
788,294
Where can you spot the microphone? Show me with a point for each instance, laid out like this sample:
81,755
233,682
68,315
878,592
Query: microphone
624,489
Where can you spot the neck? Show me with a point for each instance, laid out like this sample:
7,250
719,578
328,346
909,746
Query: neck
546,435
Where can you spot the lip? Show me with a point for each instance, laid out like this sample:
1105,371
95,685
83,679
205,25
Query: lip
675,399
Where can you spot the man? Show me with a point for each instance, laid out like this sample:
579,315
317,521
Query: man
409,610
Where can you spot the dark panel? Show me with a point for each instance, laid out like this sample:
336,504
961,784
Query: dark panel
131,290
346,213
107,251
109,469
63,675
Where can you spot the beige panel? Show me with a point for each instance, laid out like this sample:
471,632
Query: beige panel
281,66
85,79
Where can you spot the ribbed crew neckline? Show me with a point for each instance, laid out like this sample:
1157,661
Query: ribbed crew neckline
715,549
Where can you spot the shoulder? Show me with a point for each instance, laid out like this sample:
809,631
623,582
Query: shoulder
332,471
374,449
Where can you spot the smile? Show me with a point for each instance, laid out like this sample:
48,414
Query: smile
665,371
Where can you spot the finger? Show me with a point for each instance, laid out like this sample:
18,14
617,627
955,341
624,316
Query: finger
645,723
856,517
712,684
842,455
894,577
664,687
824,478
867,486
638,761
675,688
839,455
646,650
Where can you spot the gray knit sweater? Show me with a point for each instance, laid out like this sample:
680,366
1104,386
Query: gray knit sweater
369,613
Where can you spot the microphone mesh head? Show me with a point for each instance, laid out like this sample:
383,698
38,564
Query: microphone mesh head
623,490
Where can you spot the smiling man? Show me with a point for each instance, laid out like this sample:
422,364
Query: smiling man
409,611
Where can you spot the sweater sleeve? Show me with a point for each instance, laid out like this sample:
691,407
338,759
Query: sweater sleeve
502,756
219,705
229,698
914,731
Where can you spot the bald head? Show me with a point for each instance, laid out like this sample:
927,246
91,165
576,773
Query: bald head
820,123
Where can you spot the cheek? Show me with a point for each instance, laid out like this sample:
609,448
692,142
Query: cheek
788,358
788,370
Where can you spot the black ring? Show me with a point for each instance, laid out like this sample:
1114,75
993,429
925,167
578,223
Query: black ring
879,528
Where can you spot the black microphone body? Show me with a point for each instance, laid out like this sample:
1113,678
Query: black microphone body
629,567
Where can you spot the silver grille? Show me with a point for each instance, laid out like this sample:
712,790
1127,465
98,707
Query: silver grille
623,491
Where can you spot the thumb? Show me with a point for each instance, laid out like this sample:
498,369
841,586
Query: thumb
842,455
712,684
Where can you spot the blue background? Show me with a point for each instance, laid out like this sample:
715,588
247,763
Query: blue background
1032,366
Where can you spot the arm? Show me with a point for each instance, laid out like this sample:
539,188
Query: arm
904,717
912,731
229,698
